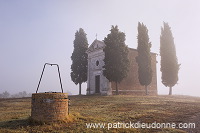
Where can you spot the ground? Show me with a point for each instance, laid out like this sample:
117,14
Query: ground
15,114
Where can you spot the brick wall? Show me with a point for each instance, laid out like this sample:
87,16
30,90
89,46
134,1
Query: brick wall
131,85
49,107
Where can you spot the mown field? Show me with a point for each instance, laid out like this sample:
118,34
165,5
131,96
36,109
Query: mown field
15,114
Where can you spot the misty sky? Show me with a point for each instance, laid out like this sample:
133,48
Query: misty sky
33,32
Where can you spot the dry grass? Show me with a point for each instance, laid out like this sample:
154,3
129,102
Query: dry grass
14,113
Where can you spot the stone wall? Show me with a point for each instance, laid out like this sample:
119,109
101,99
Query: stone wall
49,107
131,85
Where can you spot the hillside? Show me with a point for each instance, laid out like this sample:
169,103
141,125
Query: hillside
111,110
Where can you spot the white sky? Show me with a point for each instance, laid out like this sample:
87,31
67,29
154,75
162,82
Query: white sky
33,32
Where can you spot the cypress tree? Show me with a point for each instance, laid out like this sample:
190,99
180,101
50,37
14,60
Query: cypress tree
169,62
79,59
116,57
144,57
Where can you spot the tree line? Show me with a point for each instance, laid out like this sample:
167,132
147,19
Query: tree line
6,94
116,57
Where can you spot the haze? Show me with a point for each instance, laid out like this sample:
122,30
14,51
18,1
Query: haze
34,32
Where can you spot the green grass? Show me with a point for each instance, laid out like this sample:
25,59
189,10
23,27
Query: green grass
15,113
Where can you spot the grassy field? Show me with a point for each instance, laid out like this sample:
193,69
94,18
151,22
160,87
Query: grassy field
15,113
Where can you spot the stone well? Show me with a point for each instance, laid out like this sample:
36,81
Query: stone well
49,107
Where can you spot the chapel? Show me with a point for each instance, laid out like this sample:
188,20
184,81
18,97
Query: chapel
97,83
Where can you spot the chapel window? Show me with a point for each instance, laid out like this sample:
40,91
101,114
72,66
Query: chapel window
97,63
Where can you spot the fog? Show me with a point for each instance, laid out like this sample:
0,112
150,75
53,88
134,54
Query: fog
35,32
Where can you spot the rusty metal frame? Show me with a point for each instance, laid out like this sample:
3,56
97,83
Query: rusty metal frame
43,72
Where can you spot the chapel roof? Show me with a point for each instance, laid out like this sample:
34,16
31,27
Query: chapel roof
97,44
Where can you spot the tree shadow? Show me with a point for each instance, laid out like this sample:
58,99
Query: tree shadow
19,123
14,124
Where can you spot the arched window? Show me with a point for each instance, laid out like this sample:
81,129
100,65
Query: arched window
97,63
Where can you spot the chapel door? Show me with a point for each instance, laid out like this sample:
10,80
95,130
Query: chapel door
97,84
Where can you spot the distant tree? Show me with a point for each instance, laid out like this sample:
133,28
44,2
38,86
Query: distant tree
29,95
169,62
79,59
1,95
116,57
144,57
22,94
6,94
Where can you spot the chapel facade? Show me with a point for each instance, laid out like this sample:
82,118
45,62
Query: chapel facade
97,83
